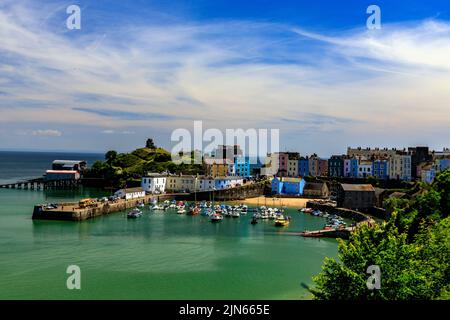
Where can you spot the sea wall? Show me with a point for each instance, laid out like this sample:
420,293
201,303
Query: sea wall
71,212
239,193
343,212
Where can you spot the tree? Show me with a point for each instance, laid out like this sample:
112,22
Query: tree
110,156
412,250
150,144
408,270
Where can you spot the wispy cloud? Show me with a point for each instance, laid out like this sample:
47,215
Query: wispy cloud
381,83
110,131
46,133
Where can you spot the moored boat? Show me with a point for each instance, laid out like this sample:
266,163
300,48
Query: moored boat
193,211
282,221
235,214
133,214
216,217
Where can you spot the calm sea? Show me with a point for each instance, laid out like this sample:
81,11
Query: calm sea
16,166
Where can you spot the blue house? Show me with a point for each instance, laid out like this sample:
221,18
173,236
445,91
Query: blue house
288,186
303,167
444,164
242,166
380,169
354,164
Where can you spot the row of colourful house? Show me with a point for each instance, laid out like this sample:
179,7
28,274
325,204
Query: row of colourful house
157,183
405,164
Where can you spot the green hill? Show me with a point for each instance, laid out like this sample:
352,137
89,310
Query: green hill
121,167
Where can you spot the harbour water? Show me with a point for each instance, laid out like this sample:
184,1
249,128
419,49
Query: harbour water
157,256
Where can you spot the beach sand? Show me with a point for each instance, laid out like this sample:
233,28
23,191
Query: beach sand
277,202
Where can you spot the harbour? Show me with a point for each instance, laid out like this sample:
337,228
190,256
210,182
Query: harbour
158,256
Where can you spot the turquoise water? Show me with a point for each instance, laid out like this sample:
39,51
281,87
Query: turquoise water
158,256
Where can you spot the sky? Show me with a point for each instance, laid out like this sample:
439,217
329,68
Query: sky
139,69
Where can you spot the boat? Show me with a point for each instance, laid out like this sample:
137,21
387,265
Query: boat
311,234
156,207
193,211
235,214
254,220
141,205
181,210
216,217
282,221
133,214
206,212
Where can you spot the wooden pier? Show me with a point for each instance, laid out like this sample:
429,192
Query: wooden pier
41,184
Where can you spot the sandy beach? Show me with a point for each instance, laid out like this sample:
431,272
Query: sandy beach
277,202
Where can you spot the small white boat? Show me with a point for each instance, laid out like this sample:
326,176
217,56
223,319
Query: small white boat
133,214
216,217
181,210
235,214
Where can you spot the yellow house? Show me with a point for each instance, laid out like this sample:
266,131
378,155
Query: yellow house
219,167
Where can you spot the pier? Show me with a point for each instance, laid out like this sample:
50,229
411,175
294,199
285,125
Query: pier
33,184
71,211
343,233
41,184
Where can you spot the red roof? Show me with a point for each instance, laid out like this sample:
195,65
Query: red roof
62,171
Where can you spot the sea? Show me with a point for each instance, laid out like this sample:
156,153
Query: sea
157,256
18,166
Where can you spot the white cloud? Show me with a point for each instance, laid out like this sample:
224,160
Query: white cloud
46,133
110,131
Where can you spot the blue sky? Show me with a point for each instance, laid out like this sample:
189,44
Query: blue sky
140,69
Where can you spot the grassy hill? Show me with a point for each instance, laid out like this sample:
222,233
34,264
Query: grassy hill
121,167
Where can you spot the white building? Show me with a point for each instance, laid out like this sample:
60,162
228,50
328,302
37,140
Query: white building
365,169
154,183
130,193
206,183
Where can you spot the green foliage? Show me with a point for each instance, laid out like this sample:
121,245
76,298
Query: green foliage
110,156
119,168
417,270
412,250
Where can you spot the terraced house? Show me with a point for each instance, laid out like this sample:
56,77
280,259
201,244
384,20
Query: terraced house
400,167
336,166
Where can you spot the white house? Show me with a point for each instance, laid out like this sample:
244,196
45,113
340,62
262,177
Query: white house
130,193
365,169
154,183
206,184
